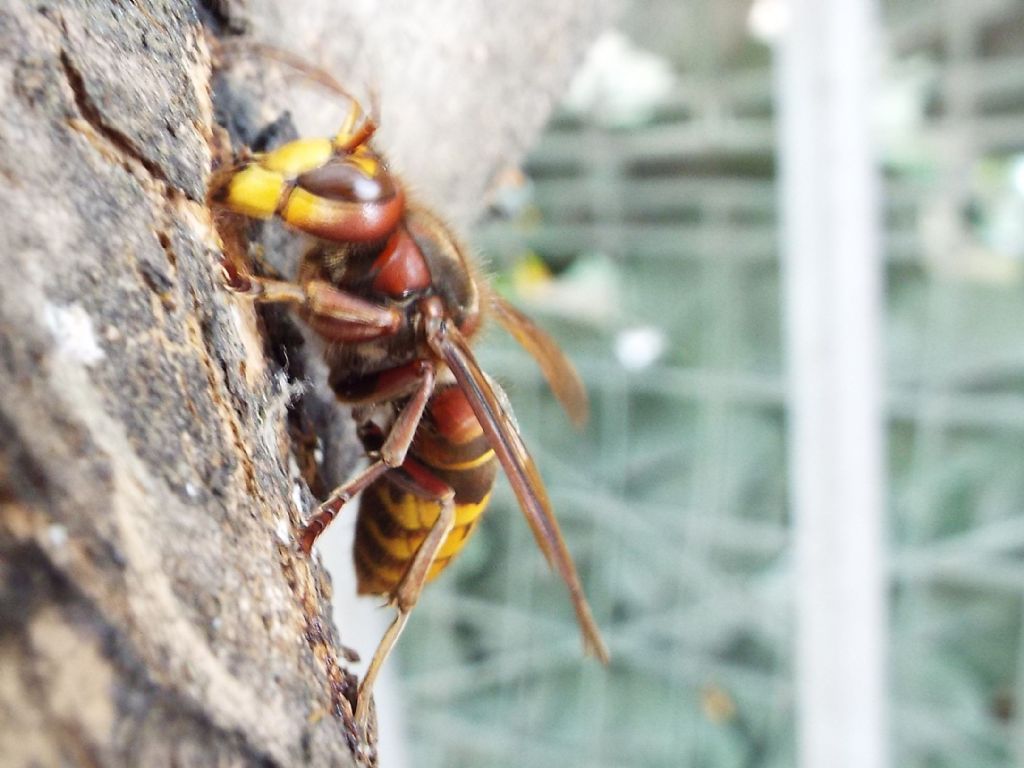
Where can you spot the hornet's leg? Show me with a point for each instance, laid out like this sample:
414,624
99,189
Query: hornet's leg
416,479
392,454
335,314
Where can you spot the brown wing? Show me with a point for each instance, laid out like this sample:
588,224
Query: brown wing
521,471
561,375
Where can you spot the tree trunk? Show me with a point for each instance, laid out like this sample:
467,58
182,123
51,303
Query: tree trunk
156,431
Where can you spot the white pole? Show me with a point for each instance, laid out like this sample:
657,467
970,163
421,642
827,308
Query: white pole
825,76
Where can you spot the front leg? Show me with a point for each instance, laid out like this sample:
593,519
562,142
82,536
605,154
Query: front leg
335,314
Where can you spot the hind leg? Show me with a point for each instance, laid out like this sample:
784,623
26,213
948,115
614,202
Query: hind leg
420,481
392,454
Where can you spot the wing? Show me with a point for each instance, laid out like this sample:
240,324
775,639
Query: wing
561,375
522,473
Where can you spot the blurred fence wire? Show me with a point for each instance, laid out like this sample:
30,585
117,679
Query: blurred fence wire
645,235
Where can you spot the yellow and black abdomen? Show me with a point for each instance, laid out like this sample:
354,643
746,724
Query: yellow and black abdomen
393,521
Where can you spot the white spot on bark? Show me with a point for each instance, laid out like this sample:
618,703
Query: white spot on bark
73,333
282,530
297,498
58,535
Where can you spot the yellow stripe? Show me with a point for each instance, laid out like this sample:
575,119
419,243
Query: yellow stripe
304,207
454,543
415,514
297,157
483,458
405,547
376,578
400,547
467,513
410,511
255,191
365,163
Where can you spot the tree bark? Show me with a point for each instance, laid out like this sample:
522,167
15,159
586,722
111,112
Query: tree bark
154,607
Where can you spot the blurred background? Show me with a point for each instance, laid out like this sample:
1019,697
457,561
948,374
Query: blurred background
644,232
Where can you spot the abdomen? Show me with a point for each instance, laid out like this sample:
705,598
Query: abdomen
393,521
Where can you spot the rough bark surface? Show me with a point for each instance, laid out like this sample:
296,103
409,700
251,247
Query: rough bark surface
154,608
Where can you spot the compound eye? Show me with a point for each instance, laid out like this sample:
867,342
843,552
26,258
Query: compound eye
345,180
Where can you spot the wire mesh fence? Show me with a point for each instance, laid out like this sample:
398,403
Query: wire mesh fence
648,244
